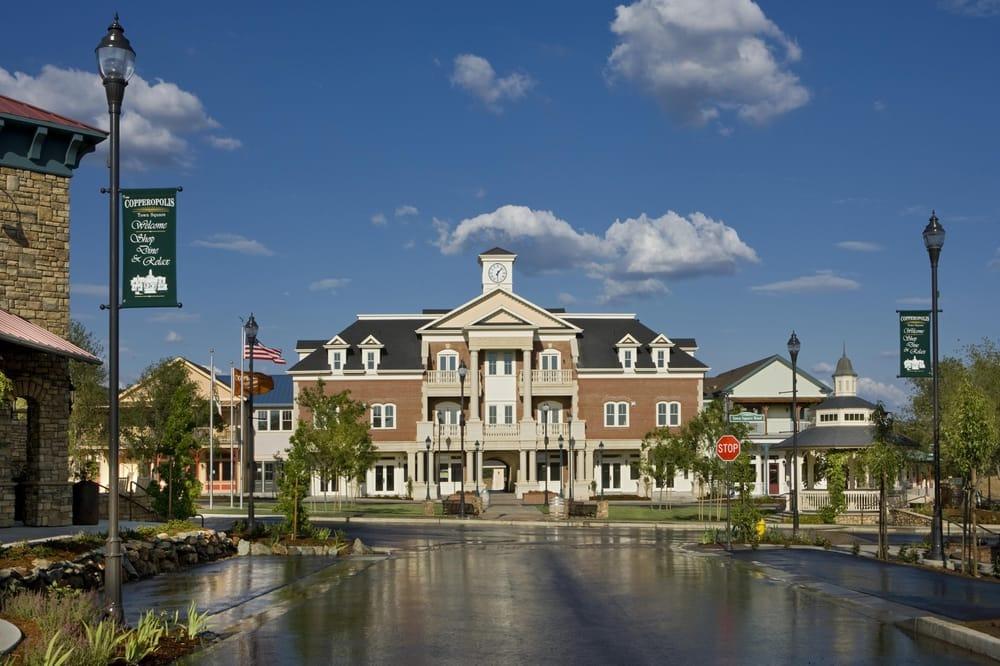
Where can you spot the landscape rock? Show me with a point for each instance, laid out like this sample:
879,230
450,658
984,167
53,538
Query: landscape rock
359,548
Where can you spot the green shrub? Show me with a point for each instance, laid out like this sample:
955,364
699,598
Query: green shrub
744,521
828,514
144,639
322,534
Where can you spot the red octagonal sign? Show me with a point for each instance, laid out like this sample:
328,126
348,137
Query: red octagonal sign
728,448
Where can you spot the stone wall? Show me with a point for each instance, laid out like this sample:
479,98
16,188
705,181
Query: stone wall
34,247
141,558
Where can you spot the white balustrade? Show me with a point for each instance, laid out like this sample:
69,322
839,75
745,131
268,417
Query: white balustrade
501,430
551,377
442,377
856,501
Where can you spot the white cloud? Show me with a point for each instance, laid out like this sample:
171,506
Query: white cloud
977,8
406,210
566,298
893,396
859,246
234,243
823,368
156,117
224,142
879,106
173,336
329,284
637,251
914,300
86,289
476,76
821,281
703,58
622,290
378,219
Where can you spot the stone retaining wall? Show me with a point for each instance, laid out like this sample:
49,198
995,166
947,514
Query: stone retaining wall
140,559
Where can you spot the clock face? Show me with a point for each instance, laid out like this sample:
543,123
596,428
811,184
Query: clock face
498,272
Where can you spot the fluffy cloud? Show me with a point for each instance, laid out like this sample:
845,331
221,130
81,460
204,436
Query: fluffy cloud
379,219
234,243
406,210
821,281
476,76
224,142
156,116
173,336
823,368
703,58
632,256
566,298
329,284
859,246
893,396
973,7
616,291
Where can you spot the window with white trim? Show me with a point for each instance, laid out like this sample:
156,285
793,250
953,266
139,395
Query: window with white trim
383,416
661,415
827,418
628,361
448,360
508,363
549,360
616,414
491,363
661,359
337,360
372,358
273,420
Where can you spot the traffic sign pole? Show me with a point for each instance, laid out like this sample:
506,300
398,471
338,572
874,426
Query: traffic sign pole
727,448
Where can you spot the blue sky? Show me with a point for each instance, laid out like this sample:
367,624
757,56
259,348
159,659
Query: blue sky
356,157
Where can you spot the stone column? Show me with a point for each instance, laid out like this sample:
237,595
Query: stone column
526,386
474,385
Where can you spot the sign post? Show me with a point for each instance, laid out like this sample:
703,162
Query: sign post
915,343
149,232
728,450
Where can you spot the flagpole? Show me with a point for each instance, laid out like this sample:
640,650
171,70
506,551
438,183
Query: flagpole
211,432
243,345
232,439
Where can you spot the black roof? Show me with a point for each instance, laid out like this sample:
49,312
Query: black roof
499,250
597,344
401,350
309,344
837,437
844,402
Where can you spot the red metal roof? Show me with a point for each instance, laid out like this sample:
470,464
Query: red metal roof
18,331
14,107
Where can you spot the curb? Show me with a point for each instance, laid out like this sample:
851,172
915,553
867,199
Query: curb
955,634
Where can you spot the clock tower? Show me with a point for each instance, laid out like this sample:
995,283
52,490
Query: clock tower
498,269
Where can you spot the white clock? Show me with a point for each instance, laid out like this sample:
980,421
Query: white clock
498,273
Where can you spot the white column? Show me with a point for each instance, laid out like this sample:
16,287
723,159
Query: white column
474,385
533,464
469,457
522,464
526,386
411,467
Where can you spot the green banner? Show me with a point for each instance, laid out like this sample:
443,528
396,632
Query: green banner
915,343
149,261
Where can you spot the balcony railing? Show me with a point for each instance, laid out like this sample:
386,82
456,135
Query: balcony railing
554,430
442,377
502,430
857,501
543,377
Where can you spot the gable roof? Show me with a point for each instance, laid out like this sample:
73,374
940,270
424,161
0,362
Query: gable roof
498,295
21,332
599,336
727,380
838,437
401,349
22,110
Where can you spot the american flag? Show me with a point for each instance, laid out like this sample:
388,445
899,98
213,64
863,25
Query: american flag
262,353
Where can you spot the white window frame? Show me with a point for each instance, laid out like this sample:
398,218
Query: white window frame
270,414
492,413
662,359
554,413
375,359
620,416
553,357
446,359
337,361
674,414
662,414
508,414
491,363
509,364
385,412
628,358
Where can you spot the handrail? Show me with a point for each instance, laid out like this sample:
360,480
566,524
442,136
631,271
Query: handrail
132,501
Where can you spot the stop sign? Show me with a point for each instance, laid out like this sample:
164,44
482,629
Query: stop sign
727,448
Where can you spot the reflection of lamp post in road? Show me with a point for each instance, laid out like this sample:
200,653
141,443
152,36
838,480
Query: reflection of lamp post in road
562,493
250,328
116,63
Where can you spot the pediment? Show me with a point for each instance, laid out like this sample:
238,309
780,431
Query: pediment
628,341
498,308
337,342
661,341
370,341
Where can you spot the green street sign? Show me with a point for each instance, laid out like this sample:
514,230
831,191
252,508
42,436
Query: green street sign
746,417
149,235
915,343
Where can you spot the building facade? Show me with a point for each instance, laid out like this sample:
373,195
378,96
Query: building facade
541,390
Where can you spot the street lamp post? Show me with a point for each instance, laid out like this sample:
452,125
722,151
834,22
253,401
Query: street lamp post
600,466
793,350
545,439
437,461
571,463
477,467
562,492
115,63
934,241
250,467
462,371
427,468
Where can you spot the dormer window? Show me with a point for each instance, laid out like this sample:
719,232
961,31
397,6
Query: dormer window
627,361
660,351
336,355
371,360
628,353
371,353
337,361
661,359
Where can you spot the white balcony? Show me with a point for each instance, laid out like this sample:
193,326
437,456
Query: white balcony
442,377
551,382
502,431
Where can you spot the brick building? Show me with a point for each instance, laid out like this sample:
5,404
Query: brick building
584,379
39,151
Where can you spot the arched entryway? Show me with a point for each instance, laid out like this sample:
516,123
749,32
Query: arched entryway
497,476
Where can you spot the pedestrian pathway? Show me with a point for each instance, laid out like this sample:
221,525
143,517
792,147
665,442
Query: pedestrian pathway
955,597
504,506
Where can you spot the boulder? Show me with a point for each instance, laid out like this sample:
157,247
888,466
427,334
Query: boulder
359,548
243,548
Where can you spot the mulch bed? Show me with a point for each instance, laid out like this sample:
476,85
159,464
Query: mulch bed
54,551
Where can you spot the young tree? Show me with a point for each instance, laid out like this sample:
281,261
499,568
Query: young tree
159,420
884,460
970,444
293,487
88,420
701,433
663,453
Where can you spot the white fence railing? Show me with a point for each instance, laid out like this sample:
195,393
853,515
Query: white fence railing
552,376
442,376
857,501
502,430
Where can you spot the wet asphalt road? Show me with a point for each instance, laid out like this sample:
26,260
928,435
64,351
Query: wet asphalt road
513,595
